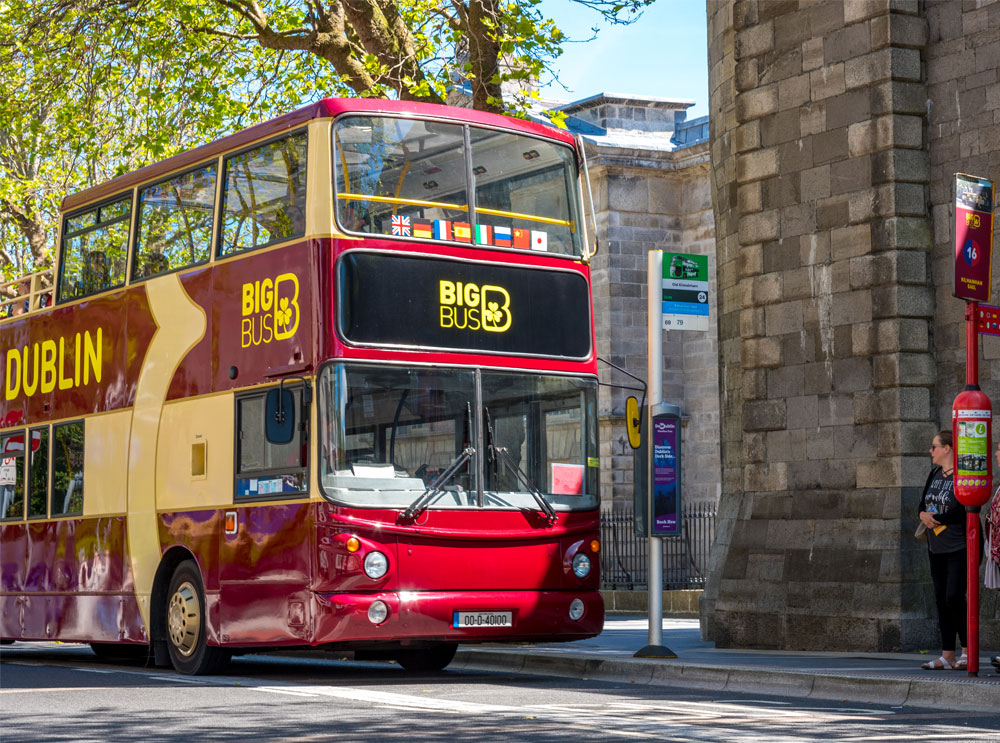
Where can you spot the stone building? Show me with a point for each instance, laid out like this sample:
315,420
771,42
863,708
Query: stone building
836,128
649,170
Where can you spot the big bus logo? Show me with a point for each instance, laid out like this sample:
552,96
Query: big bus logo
270,310
468,306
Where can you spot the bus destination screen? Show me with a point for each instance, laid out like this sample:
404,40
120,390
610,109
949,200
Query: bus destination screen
466,306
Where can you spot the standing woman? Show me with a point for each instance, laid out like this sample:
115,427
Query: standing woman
944,518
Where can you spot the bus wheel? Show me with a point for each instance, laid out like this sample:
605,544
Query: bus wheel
189,653
427,659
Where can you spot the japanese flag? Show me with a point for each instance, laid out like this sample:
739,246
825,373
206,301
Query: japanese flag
539,240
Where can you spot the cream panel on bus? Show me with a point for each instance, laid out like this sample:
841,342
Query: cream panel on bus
194,454
319,216
180,325
106,442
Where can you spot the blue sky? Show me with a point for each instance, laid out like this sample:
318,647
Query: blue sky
664,54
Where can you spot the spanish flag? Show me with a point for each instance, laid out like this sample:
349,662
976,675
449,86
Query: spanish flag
463,232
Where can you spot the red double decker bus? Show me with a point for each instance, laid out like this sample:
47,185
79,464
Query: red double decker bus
329,381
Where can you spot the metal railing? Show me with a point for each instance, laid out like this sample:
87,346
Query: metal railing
26,294
625,557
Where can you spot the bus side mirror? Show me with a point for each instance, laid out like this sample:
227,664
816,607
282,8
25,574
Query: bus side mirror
279,416
633,421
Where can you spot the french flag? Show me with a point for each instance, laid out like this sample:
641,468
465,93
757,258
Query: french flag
442,229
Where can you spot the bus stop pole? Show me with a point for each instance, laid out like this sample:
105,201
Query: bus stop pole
654,581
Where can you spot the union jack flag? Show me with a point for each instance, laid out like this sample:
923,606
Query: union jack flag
400,225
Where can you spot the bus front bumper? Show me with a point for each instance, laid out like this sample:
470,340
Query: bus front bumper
538,616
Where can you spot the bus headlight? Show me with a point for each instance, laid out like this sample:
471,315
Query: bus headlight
378,612
581,565
575,609
376,565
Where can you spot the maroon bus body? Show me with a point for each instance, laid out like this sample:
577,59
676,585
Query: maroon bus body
286,577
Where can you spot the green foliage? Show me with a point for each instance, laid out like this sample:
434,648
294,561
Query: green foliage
96,88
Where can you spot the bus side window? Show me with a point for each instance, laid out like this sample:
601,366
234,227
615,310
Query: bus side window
67,469
12,476
94,247
264,469
175,223
38,473
264,195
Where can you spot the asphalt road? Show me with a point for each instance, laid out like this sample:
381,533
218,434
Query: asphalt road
64,693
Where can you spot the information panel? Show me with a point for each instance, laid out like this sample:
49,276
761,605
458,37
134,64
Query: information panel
685,292
973,237
435,303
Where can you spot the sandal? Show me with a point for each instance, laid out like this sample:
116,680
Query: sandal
962,664
938,665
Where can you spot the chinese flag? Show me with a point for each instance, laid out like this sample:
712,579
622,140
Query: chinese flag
522,239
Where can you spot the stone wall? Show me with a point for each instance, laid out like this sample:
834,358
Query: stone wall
649,195
836,127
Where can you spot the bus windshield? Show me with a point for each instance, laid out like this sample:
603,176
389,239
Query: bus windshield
387,433
411,178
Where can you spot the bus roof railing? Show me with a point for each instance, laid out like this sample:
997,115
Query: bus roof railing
27,294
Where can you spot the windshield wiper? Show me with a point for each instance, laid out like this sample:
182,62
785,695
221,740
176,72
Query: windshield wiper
437,487
500,453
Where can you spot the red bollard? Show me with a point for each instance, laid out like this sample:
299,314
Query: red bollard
972,430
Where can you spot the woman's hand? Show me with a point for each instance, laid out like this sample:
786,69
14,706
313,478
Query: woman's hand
929,521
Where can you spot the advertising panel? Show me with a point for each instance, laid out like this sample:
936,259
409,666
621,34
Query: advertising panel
973,237
666,471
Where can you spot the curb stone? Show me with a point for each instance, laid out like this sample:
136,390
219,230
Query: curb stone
970,695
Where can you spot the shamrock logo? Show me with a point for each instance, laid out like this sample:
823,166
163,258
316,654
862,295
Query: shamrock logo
283,315
492,313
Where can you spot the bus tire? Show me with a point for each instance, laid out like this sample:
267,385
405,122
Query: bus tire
434,658
185,622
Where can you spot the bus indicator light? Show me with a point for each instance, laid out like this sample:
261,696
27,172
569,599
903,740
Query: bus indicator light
353,544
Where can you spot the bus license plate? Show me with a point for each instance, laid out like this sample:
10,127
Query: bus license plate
464,619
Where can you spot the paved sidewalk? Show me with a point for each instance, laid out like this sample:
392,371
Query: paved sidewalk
880,678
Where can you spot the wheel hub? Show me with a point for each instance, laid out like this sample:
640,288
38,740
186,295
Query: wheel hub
184,619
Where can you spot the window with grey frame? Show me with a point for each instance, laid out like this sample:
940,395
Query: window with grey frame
265,469
175,222
95,250
12,475
264,195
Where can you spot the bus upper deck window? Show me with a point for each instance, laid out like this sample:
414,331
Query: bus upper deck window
175,222
264,195
525,193
94,250
402,177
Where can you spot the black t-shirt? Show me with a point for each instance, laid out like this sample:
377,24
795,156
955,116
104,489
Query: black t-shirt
939,499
